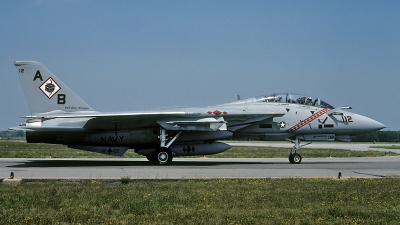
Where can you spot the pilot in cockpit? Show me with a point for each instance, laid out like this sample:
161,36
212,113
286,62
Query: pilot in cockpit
301,100
305,100
273,98
309,101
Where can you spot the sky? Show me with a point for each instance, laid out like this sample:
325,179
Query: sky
142,55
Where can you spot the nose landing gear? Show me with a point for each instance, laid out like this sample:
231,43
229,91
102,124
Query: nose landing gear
295,157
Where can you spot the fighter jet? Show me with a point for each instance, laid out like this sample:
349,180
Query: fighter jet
59,116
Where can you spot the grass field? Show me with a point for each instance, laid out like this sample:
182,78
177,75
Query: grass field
217,201
387,147
220,201
21,149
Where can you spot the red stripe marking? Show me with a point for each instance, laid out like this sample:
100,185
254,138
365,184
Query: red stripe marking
308,120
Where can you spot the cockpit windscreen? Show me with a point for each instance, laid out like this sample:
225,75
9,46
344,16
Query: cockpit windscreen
294,99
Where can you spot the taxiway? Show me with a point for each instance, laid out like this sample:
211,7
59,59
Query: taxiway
199,168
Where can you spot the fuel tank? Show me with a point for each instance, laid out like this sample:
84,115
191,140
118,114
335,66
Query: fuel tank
190,149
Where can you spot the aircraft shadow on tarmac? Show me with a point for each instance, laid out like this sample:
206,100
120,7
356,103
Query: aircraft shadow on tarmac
113,163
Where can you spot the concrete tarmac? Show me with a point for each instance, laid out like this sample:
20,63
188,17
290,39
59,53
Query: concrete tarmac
199,168
209,168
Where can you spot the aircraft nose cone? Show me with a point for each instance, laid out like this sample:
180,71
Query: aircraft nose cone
369,125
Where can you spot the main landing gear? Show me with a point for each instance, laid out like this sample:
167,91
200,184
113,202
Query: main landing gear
295,157
162,155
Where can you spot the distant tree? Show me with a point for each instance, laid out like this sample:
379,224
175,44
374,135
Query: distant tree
12,133
381,136
20,133
368,137
388,136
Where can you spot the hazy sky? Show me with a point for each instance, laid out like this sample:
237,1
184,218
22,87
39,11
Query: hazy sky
139,55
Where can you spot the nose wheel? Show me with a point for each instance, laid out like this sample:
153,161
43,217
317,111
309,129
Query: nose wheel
295,157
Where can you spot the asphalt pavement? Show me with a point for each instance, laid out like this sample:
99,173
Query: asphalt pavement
207,168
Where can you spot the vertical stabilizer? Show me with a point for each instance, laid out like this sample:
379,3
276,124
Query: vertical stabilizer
44,92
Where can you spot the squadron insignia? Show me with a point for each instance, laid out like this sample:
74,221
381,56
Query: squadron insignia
50,87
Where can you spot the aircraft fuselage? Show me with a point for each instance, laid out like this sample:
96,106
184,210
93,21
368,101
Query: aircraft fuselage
59,116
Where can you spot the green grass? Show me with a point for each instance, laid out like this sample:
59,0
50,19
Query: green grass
220,201
387,147
21,149
271,152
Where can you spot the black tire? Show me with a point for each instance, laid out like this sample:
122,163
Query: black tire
291,158
163,156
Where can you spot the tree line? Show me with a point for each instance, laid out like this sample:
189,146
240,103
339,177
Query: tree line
10,134
379,136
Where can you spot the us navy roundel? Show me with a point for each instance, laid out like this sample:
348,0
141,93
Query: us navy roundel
50,87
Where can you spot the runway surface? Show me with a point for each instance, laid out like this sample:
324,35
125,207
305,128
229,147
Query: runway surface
208,168
199,168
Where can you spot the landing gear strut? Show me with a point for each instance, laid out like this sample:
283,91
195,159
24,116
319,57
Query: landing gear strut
295,157
163,155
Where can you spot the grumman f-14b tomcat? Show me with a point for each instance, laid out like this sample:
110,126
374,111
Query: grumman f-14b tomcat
59,116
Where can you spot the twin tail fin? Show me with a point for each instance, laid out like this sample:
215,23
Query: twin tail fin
44,92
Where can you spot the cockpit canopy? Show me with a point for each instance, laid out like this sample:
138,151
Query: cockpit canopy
294,99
